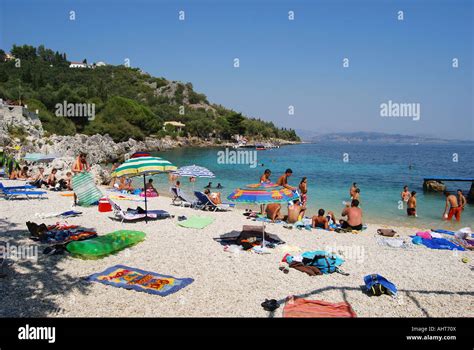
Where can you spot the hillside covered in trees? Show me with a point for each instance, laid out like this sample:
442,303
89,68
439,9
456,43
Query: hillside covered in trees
128,102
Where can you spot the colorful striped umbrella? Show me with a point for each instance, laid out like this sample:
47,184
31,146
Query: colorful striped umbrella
144,166
262,193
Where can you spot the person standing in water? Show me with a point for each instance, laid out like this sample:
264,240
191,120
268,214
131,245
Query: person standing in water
461,199
405,194
265,176
303,187
411,204
453,205
283,180
352,190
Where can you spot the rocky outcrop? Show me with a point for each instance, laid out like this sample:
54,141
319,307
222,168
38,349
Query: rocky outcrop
434,186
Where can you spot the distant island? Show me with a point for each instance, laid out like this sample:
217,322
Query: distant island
373,138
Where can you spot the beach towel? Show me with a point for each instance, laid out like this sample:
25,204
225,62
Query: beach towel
424,235
444,231
69,194
440,243
85,189
198,222
142,281
299,307
101,246
236,237
64,214
393,243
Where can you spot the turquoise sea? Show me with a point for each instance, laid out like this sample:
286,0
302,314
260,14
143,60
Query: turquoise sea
381,171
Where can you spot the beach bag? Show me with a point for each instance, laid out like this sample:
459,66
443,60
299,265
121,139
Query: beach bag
325,262
377,285
387,232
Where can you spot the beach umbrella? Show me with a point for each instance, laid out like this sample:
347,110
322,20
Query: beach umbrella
143,166
39,157
194,171
262,193
140,154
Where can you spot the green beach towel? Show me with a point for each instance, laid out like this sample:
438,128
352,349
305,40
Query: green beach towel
85,189
196,222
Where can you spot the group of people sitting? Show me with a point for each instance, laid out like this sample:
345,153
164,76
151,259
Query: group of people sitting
297,207
40,180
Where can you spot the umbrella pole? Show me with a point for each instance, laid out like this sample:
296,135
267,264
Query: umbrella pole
263,234
146,206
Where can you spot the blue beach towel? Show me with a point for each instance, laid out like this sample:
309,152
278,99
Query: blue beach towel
372,280
440,243
444,231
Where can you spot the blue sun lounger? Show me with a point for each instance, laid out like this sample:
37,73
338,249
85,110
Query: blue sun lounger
14,188
11,194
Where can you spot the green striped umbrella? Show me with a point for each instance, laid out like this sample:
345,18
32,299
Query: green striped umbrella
143,166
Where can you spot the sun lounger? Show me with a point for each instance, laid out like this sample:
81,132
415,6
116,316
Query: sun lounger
180,198
23,187
133,215
11,194
204,202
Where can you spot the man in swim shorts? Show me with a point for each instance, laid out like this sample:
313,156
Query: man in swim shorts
354,216
411,204
461,199
405,194
320,220
283,180
295,211
453,205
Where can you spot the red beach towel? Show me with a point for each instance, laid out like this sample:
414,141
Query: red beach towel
299,307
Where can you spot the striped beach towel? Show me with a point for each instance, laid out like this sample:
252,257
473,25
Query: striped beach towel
85,189
299,307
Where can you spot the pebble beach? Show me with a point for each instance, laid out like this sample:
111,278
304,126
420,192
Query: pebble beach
431,283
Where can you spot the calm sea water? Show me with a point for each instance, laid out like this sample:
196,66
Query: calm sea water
381,171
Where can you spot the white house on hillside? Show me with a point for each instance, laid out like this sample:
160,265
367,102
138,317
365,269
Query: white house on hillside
78,65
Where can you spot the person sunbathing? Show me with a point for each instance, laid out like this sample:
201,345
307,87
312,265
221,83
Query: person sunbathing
295,212
38,179
19,174
51,180
125,185
320,221
215,197
273,211
65,183
354,216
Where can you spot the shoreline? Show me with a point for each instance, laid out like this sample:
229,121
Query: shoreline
224,283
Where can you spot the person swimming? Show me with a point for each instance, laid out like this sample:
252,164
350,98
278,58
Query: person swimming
209,185
352,190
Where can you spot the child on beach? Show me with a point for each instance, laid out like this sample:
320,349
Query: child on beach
303,187
266,176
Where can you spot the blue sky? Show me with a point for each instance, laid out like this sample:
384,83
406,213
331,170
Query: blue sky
282,62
